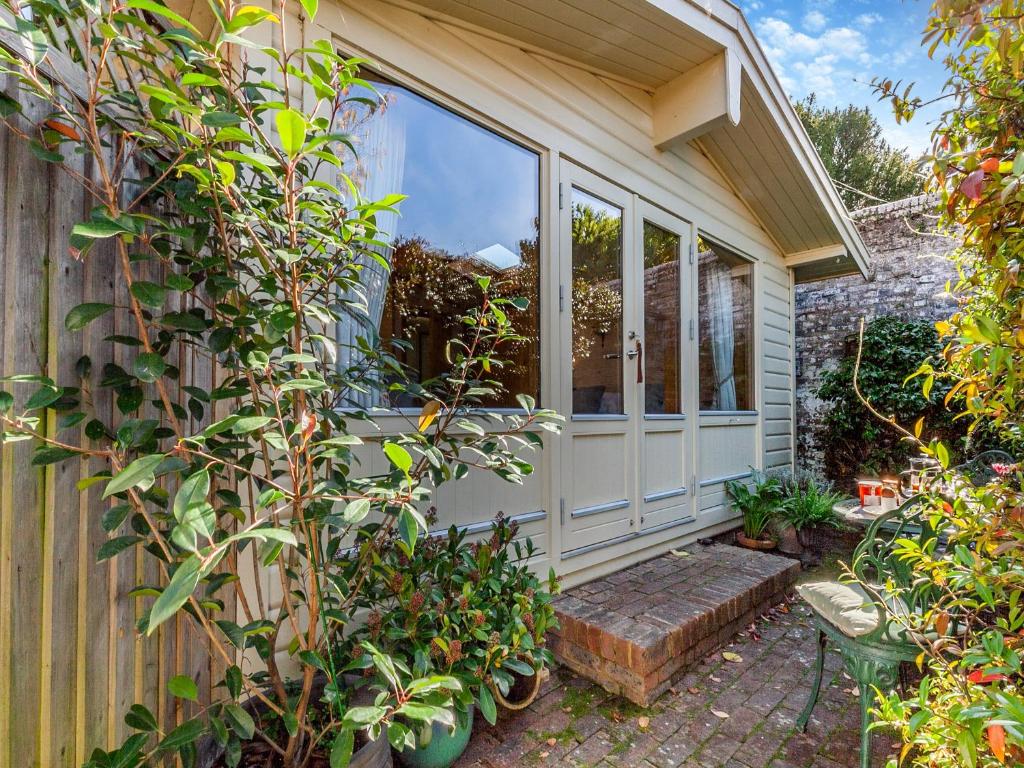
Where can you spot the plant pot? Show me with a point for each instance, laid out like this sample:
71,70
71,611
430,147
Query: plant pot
790,540
761,544
443,748
367,754
523,691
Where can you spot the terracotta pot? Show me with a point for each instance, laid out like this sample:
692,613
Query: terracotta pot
523,691
790,540
761,544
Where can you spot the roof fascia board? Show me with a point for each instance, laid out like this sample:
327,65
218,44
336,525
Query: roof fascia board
725,24
697,101
825,253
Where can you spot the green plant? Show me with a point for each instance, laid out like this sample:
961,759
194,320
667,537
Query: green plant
808,501
218,181
471,611
853,441
969,708
759,505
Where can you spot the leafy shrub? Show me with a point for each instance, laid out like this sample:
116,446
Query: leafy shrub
808,501
855,442
759,505
472,611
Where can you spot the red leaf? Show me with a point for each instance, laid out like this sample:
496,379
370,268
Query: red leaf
991,165
971,186
997,741
981,677
64,130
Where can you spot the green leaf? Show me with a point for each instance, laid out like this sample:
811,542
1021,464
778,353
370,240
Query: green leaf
341,749
113,546
291,128
408,527
140,718
140,472
43,397
6,401
193,490
83,314
249,424
183,687
356,511
185,321
184,735
149,367
97,230
487,706
398,456
240,720
150,294
176,594
233,680
45,455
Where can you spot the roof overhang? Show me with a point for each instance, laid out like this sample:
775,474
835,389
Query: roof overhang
710,84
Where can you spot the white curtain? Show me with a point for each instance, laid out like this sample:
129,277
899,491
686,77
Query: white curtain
723,336
381,160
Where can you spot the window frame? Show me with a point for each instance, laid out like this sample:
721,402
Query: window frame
450,104
714,417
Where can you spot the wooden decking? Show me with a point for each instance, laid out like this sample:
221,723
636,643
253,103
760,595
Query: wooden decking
636,630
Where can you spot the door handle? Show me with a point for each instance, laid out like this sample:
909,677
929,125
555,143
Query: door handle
637,353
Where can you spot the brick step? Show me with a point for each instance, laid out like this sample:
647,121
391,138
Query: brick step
636,630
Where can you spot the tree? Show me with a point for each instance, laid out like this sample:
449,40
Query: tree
851,146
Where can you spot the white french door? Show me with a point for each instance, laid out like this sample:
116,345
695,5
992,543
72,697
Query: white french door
622,275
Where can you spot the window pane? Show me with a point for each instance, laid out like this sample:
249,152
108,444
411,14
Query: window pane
725,309
596,305
662,315
472,208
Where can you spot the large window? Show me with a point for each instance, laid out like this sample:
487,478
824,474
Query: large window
472,208
726,317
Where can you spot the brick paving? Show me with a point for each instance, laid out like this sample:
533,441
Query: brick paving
635,631
719,713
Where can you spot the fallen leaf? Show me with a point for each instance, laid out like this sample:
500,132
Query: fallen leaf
551,742
643,722
694,690
715,679
544,755
719,713
735,658
680,552
567,709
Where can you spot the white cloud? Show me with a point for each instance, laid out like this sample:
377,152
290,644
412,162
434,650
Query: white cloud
825,63
815,21
867,20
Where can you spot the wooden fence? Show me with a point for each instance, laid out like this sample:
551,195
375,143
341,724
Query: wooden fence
71,662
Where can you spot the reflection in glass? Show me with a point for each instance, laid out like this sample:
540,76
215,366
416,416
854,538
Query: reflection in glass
662,314
725,310
472,209
596,305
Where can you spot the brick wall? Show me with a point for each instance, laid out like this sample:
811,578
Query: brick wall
909,273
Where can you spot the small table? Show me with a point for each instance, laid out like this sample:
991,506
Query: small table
853,514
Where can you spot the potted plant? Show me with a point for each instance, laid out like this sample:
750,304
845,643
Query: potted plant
758,503
809,506
468,611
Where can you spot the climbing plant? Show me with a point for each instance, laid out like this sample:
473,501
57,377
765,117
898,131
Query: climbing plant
217,170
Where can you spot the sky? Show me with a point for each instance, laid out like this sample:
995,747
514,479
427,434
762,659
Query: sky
835,47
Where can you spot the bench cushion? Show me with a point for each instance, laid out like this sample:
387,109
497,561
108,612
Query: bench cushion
847,607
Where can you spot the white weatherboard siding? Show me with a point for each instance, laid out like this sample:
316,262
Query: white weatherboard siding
602,126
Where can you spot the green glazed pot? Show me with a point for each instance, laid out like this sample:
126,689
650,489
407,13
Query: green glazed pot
444,747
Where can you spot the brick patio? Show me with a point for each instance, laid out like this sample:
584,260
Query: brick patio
635,631
720,713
